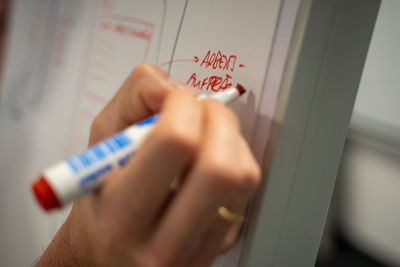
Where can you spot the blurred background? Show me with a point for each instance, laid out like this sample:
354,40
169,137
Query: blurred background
363,225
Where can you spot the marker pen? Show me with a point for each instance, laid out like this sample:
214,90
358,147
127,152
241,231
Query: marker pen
69,179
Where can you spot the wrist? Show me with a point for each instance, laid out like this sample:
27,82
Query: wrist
59,252
63,250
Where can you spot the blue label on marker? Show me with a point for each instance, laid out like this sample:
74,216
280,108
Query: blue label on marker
150,120
98,152
90,177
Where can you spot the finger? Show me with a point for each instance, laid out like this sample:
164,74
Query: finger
222,234
217,240
166,152
214,179
141,95
248,161
208,250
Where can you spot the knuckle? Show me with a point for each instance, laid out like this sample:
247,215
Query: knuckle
151,84
220,172
178,138
142,74
154,95
143,69
229,174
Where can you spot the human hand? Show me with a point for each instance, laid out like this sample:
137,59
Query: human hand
161,208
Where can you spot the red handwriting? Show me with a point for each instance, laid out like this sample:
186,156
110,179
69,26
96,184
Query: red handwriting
108,5
194,59
213,83
219,61
127,30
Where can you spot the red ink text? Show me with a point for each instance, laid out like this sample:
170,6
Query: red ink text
213,83
219,61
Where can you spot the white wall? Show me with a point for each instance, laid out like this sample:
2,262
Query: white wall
379,92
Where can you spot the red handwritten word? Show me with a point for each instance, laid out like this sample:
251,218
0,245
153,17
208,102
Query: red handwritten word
108,5
194,59
219,61
214,83
127,30
105,25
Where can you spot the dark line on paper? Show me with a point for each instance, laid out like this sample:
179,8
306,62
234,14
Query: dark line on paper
177,35
164,14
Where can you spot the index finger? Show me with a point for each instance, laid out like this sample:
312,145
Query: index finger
140,96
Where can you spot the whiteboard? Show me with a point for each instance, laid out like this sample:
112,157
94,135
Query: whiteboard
206,44
66,59
300,60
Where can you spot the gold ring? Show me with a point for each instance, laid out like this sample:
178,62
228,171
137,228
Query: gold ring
226,214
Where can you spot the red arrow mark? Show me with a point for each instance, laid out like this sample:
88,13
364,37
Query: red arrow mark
194,59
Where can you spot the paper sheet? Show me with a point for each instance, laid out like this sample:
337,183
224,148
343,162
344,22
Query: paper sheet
74,55
209,45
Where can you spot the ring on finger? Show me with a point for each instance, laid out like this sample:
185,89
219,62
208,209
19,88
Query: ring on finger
230,216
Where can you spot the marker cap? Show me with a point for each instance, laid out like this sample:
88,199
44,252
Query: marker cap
45,195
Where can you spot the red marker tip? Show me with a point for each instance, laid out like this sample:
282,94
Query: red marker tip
240,89
44,194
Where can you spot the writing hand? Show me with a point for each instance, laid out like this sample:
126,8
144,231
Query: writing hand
161,208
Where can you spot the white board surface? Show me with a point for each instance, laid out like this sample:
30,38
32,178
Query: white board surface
85,50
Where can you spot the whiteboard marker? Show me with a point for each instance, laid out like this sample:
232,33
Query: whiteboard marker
69,179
